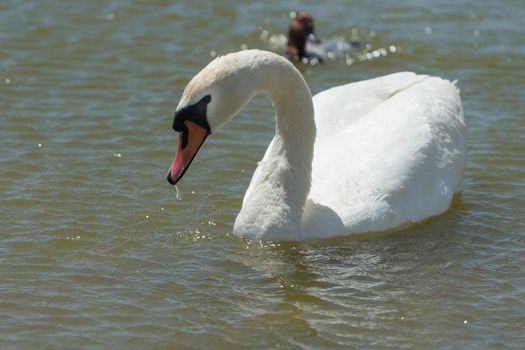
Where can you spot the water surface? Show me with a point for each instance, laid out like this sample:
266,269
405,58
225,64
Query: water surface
97,252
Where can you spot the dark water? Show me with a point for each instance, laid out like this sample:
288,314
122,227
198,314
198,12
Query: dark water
97,252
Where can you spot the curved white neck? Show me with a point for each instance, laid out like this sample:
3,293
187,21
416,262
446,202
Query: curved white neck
274,205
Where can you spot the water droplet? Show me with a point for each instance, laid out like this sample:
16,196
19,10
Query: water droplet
178,195
213,54
428,30
392,48
110,16
465,322
39,145
477,33
7,81
244,47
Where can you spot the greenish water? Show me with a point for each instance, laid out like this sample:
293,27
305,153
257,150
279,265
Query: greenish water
96,251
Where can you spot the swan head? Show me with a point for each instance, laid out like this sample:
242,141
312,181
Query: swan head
210,100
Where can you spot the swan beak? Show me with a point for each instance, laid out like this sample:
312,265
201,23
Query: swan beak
191,138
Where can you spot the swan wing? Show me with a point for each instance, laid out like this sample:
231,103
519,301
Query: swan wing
339,107
389,151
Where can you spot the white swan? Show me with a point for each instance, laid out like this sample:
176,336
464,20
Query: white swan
388,152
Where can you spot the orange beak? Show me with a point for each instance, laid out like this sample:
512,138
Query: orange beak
191,139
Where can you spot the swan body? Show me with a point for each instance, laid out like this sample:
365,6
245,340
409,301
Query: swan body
363,157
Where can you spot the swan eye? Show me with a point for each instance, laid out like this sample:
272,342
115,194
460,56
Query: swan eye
206,99
196,113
